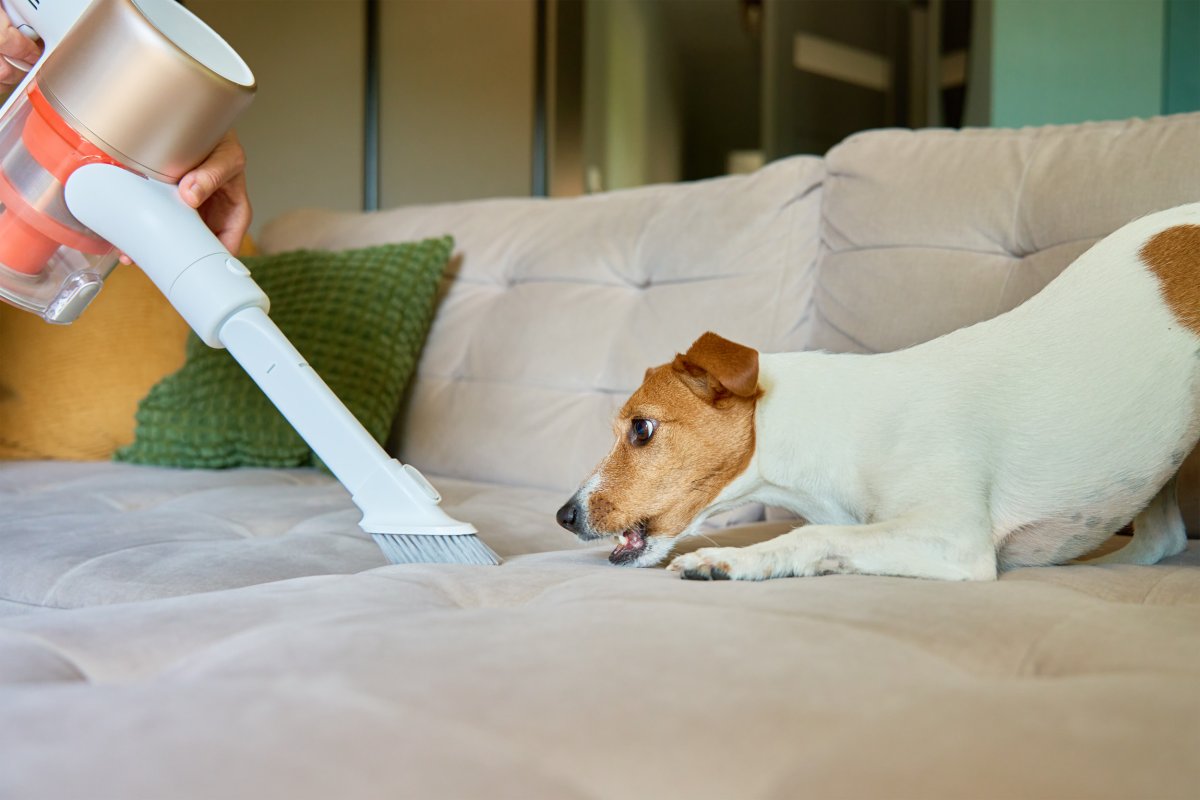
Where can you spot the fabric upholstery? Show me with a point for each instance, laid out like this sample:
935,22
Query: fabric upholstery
359,318
555,309
555,675
95,533
966,225
192,633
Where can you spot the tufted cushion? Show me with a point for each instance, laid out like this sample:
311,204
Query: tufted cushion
925,232
558,307
85,534
554,675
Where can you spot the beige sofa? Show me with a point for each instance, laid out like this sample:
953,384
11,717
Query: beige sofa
231,634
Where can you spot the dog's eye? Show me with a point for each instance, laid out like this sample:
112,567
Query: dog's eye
640,430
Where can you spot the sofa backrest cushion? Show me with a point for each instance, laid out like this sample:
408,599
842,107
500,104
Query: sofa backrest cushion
928,231
555,308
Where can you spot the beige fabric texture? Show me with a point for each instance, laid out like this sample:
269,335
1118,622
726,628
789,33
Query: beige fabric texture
555,675
556,308
193,634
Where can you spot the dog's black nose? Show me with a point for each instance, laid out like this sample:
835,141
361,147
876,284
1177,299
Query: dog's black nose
568,515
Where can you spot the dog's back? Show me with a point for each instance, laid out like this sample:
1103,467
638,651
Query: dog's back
1103,397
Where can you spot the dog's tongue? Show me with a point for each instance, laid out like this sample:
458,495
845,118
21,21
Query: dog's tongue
629,545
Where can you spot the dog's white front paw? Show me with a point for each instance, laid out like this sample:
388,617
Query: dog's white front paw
721,564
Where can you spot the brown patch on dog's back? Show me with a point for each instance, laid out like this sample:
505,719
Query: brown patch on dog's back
1173,256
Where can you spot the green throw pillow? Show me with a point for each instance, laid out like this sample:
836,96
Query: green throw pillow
359,317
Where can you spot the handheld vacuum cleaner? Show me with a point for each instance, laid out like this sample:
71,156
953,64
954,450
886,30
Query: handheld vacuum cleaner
128,96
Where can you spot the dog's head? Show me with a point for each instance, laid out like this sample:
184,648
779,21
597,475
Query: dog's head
682,437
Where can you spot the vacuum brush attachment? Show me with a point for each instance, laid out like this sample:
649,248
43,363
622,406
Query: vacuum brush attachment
400,507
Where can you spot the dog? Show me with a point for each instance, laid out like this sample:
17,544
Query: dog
1024,440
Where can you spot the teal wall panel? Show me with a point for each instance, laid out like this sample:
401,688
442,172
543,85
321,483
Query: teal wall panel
1181,84
1063,61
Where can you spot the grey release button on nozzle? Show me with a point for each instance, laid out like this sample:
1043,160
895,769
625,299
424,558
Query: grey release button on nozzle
424,484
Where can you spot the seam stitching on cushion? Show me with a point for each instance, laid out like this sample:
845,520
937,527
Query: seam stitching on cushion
812,276
1008,276
1002,253
852,339
53,650
586,390
93,559
1037,142
1022,668
34,605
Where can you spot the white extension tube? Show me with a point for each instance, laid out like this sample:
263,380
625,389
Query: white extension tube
216,295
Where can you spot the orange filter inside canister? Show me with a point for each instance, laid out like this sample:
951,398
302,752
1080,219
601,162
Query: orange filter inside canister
29,235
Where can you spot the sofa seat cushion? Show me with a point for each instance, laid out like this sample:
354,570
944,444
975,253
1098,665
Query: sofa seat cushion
559,676
80,534
83,534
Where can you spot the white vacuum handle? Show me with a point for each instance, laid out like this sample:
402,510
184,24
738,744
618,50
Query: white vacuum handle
214,292
165,236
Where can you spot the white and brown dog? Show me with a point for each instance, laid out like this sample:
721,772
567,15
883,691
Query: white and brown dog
1024,440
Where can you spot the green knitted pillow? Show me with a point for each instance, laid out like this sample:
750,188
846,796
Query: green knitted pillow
358,316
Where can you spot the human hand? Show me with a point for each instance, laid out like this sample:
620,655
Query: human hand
18,47
217,189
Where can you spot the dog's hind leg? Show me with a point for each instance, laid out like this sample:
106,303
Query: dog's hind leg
941,547
1158,532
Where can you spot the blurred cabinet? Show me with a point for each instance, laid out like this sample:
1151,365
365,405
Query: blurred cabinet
303,133
455,99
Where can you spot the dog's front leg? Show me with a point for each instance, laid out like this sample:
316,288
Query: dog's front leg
917,548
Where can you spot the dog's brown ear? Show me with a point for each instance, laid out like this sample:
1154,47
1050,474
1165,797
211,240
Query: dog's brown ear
715,368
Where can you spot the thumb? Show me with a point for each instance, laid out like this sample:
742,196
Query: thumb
224,164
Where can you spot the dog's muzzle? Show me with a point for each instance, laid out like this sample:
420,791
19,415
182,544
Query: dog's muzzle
631,543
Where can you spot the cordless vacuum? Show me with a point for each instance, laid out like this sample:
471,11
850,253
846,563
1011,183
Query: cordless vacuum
129,96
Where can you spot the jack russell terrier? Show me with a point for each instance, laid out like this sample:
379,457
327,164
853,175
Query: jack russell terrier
1025,440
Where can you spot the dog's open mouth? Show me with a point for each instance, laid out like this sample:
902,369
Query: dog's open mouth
630,544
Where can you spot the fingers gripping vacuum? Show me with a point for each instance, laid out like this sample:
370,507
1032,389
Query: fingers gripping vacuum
166,238
221,302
